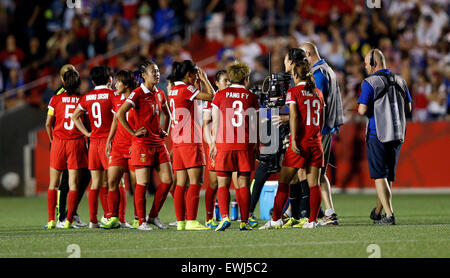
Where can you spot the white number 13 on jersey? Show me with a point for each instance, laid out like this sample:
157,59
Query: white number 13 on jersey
316,107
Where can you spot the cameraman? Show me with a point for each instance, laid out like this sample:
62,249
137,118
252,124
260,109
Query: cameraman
270,163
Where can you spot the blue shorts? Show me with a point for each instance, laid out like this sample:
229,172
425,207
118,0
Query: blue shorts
382,157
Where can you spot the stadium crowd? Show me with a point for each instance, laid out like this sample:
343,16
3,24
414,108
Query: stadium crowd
39,37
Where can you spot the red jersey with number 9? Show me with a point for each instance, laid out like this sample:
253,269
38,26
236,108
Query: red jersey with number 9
62,107
238,118
186,115
147,111
310,107
98,105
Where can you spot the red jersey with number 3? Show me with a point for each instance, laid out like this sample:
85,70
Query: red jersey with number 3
238,118
310,107
186,115
147,111
98,105
62,107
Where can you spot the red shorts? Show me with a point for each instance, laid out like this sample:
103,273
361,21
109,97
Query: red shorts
97,155
68,154
309,156
185,157
145,156
233,160
121,158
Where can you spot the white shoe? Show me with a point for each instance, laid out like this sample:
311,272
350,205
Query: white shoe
93,225
145,227
125,225
77,221
310,225
173,224
157,222
60,225
272,224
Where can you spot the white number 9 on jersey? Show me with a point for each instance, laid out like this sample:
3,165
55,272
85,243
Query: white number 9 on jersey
97,114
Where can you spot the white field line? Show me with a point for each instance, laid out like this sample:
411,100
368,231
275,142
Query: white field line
115,251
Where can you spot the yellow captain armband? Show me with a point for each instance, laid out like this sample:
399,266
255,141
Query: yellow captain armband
51,112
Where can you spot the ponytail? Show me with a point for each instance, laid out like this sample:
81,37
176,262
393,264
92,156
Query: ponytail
302,70
72,82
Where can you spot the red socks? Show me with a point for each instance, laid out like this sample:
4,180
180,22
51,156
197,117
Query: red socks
280,200
51,203
314,202
72,199
179,202
192,199
113,203
244,203
139,199
122,203
223,196
210,197
93,205
104,199
160,198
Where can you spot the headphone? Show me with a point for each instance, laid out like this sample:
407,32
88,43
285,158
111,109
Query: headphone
372,60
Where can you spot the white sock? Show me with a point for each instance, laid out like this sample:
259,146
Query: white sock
329,212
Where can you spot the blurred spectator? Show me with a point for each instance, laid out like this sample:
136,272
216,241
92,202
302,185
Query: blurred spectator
421,91
164,20
145,22
15,81
11,56
215,16
226,52
248,51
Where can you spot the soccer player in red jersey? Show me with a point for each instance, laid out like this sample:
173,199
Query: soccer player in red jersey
306,114
117,149
98,105
222,82
148,150
233,144
68,147
188,155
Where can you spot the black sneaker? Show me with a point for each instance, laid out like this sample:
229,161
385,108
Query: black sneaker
388,220
375,216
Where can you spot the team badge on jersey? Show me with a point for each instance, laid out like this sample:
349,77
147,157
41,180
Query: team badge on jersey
143,157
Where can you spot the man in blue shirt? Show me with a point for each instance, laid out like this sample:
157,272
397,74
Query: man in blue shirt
326,81
385,130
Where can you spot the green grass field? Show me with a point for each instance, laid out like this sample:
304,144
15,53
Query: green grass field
422,230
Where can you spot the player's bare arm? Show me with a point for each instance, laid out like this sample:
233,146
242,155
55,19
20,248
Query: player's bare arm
167,119
293,120
112,132
209,94
362,109
206,129
76,118
49,127
215,128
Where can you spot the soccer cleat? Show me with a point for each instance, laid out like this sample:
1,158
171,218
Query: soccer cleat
50,225
125,225
77,221
181,225
329,220
145,227
104,220
245,226
211,224
93,225
310,225
224,224
173,224
135,224
300,223
388,220
194,225
60,224
157,222
290,223
113,223
253,222
68,225
272,224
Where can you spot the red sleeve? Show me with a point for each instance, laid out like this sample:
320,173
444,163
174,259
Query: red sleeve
82,103
217,99
133,98
52,103
290,97
190,92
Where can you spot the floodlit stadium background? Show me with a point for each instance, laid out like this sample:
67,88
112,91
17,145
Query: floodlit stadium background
38,37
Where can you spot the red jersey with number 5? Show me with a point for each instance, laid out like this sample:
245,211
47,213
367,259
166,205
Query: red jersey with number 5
147,111
238,118
186,115
98,105
62,107
310,107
